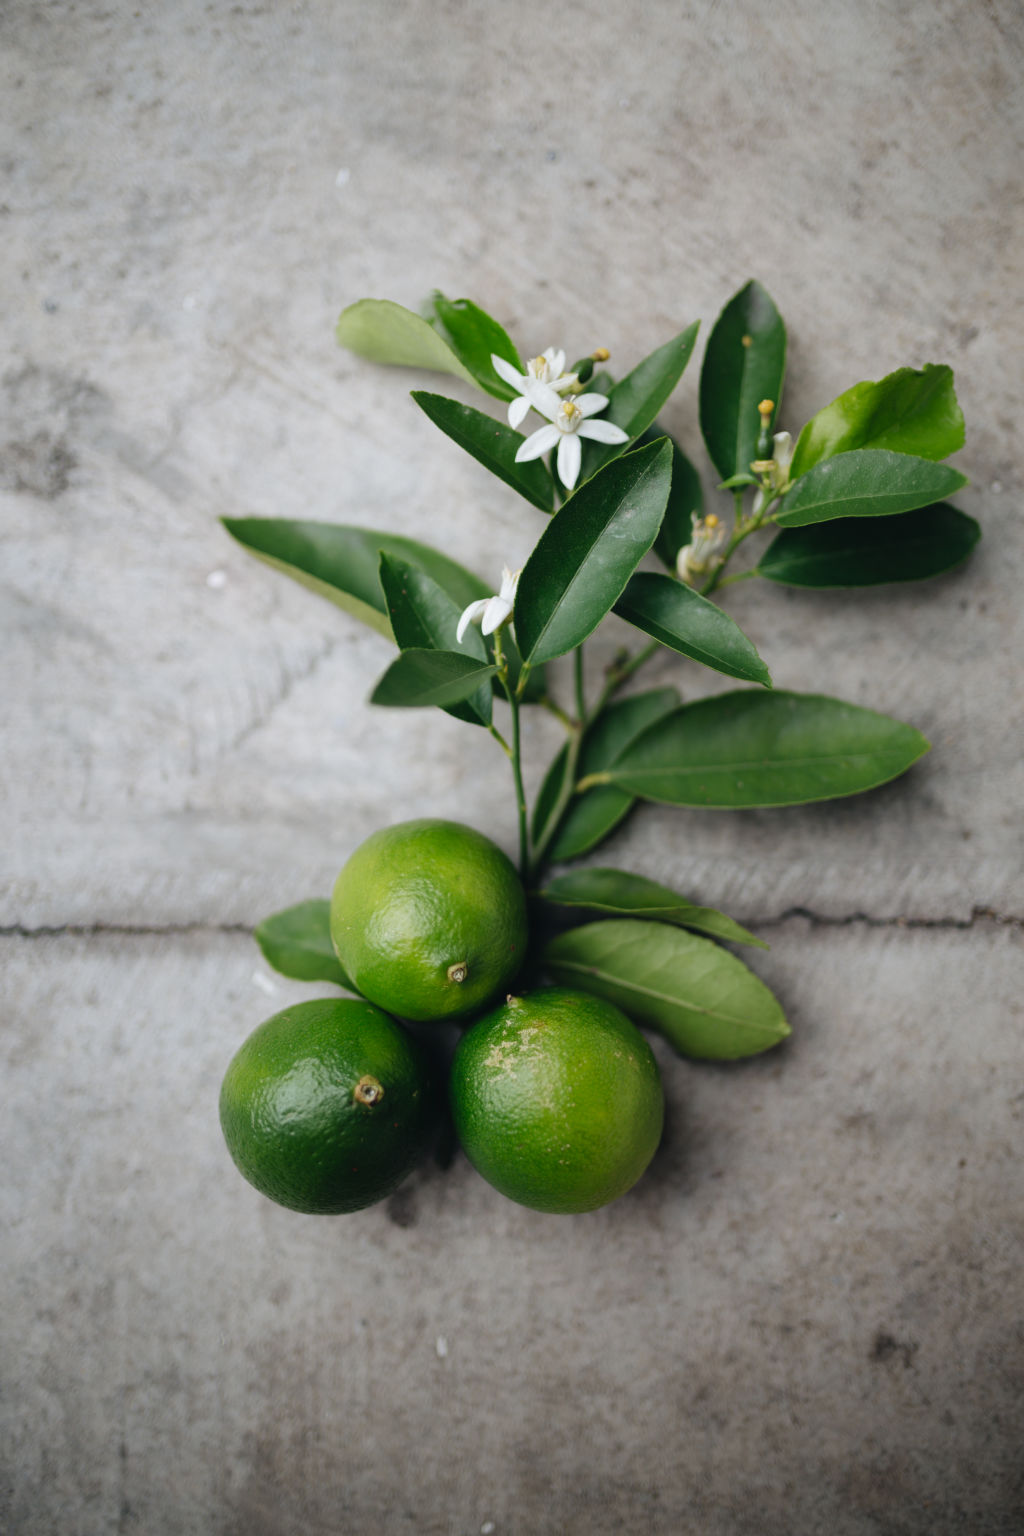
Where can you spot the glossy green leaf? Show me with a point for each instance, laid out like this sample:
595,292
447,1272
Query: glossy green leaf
703,999
866,482
419,678
297,942
685,502
687,622
745,363
423,617
493,444
634,402
384,332
592,816
589,551
863,552
473,335
760,749
342,563
623,895
909,411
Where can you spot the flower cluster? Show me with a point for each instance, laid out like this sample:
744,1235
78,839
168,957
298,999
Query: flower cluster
701,556
542,387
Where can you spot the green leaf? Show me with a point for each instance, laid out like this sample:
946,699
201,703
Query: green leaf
384,332
703,999
909,411
492,444
760,749
624,895
685,502
420,677
297,942
866,482
687,622
745,363
423,617
473,335
589,551
590,817
342,563
862,552
634,402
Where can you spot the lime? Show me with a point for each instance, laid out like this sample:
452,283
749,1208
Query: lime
429,919
326,1106
557,1100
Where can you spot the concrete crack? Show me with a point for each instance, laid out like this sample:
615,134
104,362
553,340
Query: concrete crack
979,917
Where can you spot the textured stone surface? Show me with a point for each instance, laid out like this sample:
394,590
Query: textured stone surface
808,1316
805,1318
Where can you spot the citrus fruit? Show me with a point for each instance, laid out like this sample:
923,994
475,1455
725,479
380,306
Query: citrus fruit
326,1106
429,919
557,1100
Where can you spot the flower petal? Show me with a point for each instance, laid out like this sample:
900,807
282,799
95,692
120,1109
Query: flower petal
509,583
564,382
570,456
537,443
470,616
589,405
602,432
506,371
498,610
556,360
517,410
542,397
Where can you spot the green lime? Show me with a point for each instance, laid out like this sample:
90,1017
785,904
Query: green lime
326,1106
429,919
557,1100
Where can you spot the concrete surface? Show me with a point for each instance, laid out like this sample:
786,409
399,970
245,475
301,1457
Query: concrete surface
808,1317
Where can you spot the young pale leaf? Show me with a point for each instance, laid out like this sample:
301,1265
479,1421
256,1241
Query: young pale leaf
591,816
473,335
686,622
589,551
866,482
384,332
342,563
745,363
863,552
685,502
423,617
492,444
419,678
703,999
764,749
909,411
624,895
634,402
297,942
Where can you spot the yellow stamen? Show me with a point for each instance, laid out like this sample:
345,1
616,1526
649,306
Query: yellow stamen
711,521
601,355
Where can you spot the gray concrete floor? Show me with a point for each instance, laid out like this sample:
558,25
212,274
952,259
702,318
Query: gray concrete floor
808,1317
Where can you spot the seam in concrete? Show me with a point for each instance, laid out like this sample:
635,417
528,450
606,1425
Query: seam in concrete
978,917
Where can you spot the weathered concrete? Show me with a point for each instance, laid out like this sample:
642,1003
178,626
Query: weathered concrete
808,1317
805,1318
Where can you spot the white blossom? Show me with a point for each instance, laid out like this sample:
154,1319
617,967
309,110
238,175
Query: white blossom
774,470
568,422
701,556
491,612
548,368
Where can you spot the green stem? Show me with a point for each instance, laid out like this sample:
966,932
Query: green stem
515,755
581,696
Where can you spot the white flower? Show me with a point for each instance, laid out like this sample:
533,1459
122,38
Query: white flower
568,423
491,612
775,470
548,368
701,555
